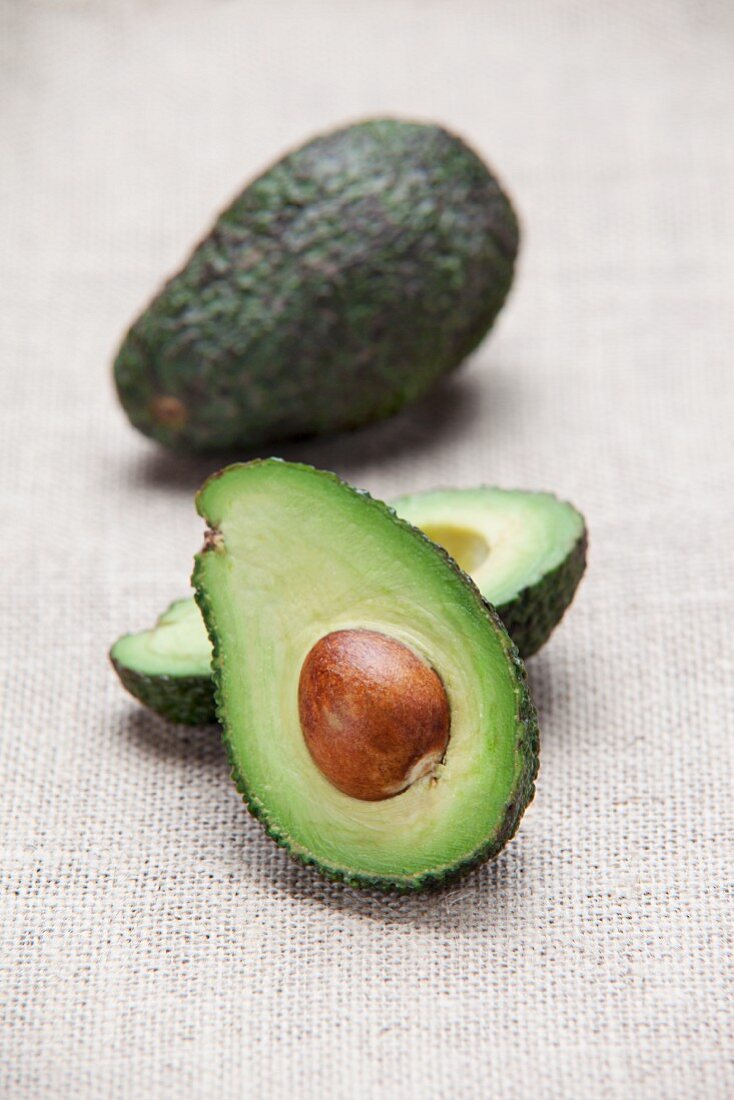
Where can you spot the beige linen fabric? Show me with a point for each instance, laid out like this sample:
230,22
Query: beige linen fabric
152,942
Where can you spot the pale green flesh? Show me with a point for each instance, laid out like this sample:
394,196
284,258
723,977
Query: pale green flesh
507,540
177,645
301,556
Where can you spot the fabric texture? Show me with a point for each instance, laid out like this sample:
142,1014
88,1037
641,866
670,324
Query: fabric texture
153,943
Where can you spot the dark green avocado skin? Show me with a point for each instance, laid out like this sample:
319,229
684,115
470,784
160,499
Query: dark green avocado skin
337,287
536,611
185,699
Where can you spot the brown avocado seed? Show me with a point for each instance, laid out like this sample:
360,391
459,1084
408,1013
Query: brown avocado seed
375,717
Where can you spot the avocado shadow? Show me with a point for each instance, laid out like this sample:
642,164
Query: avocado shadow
438,421
485,895
550,675
192,746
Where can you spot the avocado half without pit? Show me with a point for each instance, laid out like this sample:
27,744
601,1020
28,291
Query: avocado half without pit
525,551
375,711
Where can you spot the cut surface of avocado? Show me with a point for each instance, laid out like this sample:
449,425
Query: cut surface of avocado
168,667
525,551
294,557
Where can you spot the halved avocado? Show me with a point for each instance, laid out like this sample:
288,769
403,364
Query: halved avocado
295,562
525,551
168,667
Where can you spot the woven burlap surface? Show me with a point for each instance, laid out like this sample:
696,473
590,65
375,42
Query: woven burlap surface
153,943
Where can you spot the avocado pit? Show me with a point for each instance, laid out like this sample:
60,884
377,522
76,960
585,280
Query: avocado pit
374,715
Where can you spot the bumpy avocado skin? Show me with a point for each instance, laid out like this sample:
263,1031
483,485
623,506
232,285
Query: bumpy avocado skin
188,700
338,286
527,743
532,616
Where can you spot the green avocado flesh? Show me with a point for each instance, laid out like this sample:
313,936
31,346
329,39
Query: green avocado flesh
337,287
525,551
294,554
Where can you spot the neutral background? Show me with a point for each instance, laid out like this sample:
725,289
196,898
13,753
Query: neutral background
152,942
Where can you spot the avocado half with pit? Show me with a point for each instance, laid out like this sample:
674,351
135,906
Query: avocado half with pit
375,710
525,551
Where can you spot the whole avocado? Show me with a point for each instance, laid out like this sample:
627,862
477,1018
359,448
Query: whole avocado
338,286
